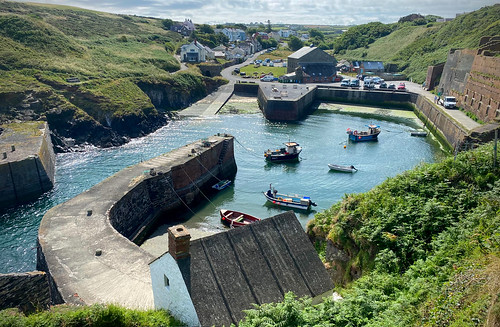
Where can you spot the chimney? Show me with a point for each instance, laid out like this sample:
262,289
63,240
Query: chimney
178,242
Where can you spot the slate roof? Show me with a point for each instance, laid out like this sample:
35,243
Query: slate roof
301,52
258,263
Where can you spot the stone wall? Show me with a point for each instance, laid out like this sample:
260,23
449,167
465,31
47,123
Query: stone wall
456,70
246,88
168,190
433,75
389,98
286,110
438,122
27,291
482,91
25,174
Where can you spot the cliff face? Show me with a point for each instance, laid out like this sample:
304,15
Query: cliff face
105,113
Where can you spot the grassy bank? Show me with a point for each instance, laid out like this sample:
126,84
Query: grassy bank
91,316
422,249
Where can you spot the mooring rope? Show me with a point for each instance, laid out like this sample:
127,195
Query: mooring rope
198,187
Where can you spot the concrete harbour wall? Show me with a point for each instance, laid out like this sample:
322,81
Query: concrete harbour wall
85,244
27,163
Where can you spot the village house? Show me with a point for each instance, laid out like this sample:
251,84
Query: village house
211,280
234,34
185,28
310,65
363,67
196,52
274,35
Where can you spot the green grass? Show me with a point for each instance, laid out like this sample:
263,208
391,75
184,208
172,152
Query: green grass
91,316
414,48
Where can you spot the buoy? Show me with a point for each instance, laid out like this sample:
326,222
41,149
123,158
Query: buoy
345,146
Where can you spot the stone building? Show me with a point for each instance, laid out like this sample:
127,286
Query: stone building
211,280
316,65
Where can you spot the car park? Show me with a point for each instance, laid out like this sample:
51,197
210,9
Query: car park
345,82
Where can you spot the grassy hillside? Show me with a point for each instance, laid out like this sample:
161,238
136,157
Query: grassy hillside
414,48
423,248
110,55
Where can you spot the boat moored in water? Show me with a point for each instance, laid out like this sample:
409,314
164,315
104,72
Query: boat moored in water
346,169
290,153
370,135
287,200
221,184
233,218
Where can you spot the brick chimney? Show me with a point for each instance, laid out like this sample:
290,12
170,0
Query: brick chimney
178,242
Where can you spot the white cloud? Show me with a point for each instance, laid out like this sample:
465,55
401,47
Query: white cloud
324,12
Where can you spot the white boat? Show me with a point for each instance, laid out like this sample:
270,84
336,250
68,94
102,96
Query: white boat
346,169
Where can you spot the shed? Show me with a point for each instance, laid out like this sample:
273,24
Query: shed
211,280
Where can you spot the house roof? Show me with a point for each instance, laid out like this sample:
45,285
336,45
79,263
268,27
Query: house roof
257,263
301,52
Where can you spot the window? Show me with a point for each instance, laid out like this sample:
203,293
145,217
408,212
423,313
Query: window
166,281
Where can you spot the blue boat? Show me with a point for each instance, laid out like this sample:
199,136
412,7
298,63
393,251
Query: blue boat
286,200
370,135
221,185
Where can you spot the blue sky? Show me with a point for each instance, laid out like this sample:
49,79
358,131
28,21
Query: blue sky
317,12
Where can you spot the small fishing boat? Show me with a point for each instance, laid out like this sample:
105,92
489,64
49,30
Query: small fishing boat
418,133
286,200
370,135
233,218
291,152
346,169
221,185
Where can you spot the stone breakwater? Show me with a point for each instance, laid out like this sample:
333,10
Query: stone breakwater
27,162
85,245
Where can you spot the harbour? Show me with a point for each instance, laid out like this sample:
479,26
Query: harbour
322,134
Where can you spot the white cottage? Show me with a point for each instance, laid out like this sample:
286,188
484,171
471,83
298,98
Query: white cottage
195,280
195,52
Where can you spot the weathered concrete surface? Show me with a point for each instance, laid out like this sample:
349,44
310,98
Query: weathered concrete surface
27,291
88,261
27,162
286,102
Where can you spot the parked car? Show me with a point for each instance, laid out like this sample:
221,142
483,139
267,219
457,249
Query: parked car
354,83
337,78
267,78
449,102
345,82
236,70
242,73
392,86
402,86
271,64
383,85
377,80
368,84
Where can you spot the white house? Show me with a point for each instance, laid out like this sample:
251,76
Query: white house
211,280
195,52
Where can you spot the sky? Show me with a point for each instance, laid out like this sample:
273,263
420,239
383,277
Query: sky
305,12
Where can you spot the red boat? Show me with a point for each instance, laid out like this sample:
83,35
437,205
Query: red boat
235,218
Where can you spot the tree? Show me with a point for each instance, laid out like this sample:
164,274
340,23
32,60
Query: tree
315,33
295,43
269,29
167,23
207,29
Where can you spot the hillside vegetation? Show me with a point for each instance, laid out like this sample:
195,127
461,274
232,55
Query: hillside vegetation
421,249
413,47
81,70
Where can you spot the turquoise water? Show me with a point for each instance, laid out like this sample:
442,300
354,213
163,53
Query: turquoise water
322,136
